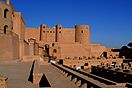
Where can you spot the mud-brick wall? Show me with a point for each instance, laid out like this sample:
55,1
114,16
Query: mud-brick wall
9,47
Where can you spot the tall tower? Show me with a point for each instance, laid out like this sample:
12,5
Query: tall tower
58,37
6,23
9,46
43,33
82,34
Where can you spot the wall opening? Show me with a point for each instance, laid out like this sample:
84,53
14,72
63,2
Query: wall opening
47,49
6,13
55,51
44,27
53,44
59,27
105,54
5,29
82,31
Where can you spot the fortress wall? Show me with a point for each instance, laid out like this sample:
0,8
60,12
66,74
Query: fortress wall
68,35
73,50
65,35
32,33
50,35
47,34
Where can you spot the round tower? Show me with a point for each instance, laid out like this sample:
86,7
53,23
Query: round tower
58,33
82,34
43,34
6,15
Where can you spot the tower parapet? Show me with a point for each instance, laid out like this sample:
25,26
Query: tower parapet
82,34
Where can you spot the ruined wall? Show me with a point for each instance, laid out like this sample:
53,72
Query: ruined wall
33,47
36,46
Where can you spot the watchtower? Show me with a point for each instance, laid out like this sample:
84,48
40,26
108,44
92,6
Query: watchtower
43,33
58,33
82,34
6,13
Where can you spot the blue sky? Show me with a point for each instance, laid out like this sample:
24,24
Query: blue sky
110,20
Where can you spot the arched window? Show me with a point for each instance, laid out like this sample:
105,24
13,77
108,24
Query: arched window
6,12
5,29
53,44
54,50
82,31
44,27
59,27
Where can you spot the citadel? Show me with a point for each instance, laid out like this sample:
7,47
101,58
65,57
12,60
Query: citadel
19,42
48,56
